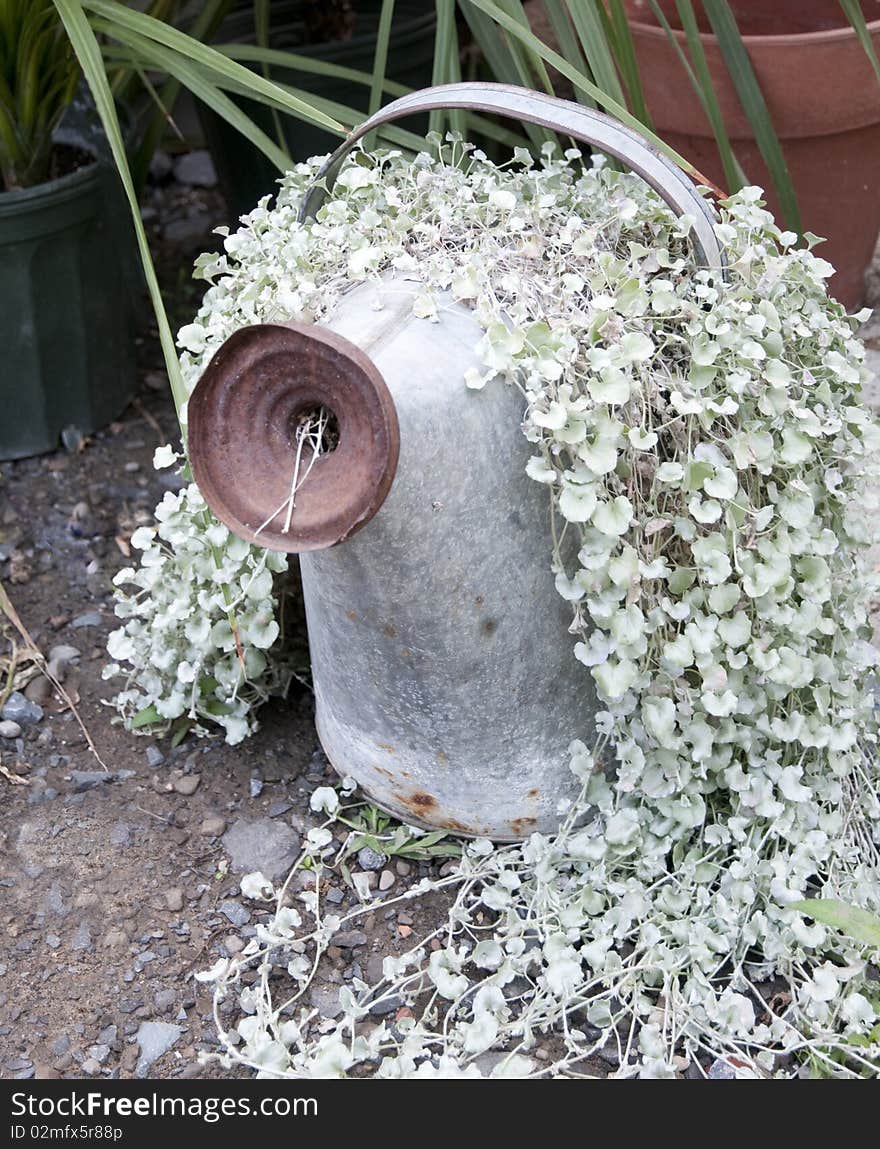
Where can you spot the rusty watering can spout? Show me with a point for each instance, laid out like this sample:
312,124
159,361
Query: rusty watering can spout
444,679
243,420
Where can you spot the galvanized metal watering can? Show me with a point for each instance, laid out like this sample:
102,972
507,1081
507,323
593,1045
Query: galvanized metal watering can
441,683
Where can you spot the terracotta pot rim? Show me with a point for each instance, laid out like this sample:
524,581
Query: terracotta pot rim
785,39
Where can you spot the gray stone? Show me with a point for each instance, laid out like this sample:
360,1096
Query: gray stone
53,941
82,938
190,230
335,896
722,1071
196,169
155,1038
277,809
9,729
90,618
99,1052
90,1067
349,939
234,912
161,166
187,785
88,779
63,653
386,880
155,757
212,826
165,999
120,835
19,709
174,899
325,1000
261,844
369,859
38,690
386,1005
256,785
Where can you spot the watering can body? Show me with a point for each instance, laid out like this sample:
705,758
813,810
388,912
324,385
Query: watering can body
443,674
444,678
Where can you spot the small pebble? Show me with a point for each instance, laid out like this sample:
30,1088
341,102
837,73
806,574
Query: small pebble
234,912
386,880
155,757
38,690
187,785
256,786
174,899
369,859
21,710
349,939
212,827
9,729
90,618
722,1071
403,868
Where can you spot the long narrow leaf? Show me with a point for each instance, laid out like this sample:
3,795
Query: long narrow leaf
506,66
752,99
277,57
557,14
444,31
580,81
380,59
251,53
199,82
856,923
88,53
380,62
701,80
628,65
531,59
261,30
588,25
124,20
856,17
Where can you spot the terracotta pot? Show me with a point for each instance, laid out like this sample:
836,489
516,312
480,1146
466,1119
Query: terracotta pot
824,98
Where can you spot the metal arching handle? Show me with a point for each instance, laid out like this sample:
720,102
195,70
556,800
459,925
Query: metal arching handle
575,120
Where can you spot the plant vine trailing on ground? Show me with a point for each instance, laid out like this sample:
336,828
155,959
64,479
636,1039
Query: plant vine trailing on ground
705,447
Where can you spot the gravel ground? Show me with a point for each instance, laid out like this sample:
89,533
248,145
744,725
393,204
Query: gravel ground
119,885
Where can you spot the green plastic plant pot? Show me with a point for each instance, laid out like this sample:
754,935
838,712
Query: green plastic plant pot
245,174
66,314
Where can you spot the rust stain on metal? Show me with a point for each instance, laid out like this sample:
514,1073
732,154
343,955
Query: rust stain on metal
384,746
420,802
389,631
353,615
490,626
458,827
522,826
405,652
441,757
382,770
533,793
243,415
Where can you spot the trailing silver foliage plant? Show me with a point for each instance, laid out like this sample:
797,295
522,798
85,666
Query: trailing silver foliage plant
705,445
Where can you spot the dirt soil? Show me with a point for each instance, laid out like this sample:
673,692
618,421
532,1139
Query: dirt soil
118,885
